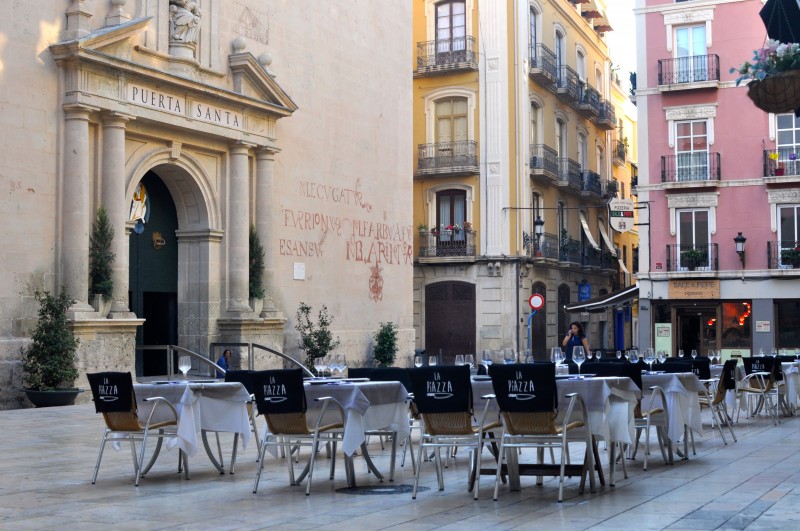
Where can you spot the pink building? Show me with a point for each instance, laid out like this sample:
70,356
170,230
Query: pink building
707,178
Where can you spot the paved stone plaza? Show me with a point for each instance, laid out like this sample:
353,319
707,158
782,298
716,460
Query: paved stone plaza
49,454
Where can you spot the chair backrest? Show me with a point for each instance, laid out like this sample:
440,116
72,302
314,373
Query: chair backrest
525,387
382,374
442,389
701,366
727,380
762,364
672,368
243,377
112,392
279,391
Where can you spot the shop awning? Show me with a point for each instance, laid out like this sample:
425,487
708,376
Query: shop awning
606,239
587,232
622,265
602,25
603,302
590,10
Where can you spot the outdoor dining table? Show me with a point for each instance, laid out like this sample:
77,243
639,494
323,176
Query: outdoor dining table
791,379
201,406
683,402
610,404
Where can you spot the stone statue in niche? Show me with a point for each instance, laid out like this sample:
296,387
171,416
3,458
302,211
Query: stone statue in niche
184,21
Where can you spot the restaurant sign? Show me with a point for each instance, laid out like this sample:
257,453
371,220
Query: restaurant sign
694,289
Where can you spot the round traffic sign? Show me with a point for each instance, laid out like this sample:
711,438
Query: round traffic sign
536,301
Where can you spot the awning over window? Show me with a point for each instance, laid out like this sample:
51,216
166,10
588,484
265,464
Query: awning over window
603,302
602,24
622,266
586,231
590,10
606,239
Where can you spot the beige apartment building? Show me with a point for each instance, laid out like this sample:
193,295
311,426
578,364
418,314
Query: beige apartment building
189,122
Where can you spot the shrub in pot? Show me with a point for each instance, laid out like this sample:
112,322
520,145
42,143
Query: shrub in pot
385,344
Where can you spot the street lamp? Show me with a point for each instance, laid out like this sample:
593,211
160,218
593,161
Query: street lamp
538,231
740,241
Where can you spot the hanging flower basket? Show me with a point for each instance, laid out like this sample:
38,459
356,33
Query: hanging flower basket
777,93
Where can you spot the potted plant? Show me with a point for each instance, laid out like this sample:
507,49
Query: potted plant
777,169
256,286
316,339
774,77
101,258
791,256
694,257
423,229
48,364
468,227
385,344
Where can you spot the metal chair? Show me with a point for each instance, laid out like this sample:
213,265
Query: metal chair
716,400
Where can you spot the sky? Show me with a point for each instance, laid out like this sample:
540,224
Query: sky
622,41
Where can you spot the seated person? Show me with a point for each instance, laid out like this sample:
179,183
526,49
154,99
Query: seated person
224,362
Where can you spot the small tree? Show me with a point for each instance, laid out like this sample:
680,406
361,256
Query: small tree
316,340
100,257
256,265
385,344
50,360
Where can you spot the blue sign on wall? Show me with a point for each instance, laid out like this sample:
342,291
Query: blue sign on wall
584,291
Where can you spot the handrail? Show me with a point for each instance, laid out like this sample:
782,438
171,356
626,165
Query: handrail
280,354
171,348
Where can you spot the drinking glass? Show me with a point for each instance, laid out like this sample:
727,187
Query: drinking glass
598,354
486,359
318,366
680,353
633,356
619,354
761,353
509,356
527,358
578,356
649,358
662,356
417,361
469,359
184,364
774,352
342,364
588,354
694,354
459,359
432,360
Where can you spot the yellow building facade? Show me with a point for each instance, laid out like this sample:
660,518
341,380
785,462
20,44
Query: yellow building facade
514,128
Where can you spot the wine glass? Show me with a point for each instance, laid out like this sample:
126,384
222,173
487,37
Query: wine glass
694,354
469,359
761,353
774,353
432,360
460,360
486,359
598,354
184,364
633,356
319,366
509,356
649,358
680,353
662,356
342,364
619,354
417,361
578,356
527,357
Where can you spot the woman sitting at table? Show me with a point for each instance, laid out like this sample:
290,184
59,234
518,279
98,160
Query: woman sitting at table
224,362
574,338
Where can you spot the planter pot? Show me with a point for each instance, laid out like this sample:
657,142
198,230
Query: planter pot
776,94
257,305
100,306
57,397
778,172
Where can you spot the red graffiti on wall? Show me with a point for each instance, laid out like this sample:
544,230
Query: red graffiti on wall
376,282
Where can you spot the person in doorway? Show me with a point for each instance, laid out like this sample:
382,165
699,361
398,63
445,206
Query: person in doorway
224,362
574,338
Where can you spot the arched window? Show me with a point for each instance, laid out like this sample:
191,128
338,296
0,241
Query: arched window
582,158
536,113
560,49
533,34
601,162
561,138
562,218
451,120
598,80
451,28
580,64
451,209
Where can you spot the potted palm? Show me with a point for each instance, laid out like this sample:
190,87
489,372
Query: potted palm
48,364
101,258
385,344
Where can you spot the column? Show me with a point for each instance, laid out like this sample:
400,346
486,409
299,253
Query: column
116,205
265,222
238,229
76,214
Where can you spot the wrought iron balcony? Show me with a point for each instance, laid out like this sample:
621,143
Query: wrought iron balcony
570,251
447,243
451,158
443,55
612,187
690,167
591,182
783,255
688,70
546,246
543,65
569,174
569,85
781,162
607,118
589,102
544,161
620,152
682,257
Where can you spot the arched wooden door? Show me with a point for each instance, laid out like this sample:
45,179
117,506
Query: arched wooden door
450,319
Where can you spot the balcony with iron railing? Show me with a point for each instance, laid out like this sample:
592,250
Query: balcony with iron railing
569,85
592,183
692,258
589,102
607,118
783,255
543,66
682,73
620,152
545,247
543,161
782,165
447,244
448,158
446,55
569,174
697,168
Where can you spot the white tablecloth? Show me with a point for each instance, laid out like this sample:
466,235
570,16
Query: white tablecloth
791,378
368,406
201,406
610,403
683,401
